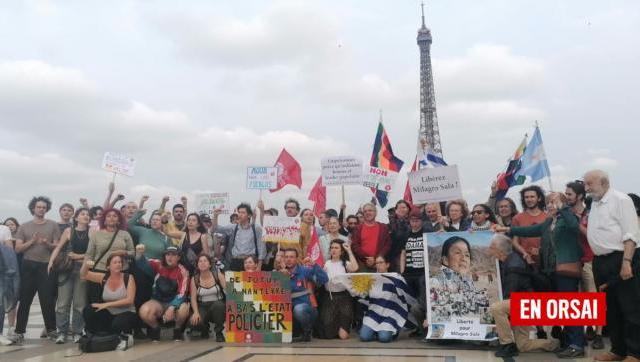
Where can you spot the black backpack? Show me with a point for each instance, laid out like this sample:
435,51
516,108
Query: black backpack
90,343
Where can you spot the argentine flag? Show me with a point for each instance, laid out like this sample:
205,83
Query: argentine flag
534,160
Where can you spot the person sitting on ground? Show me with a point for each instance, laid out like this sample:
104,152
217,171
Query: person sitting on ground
304,306
388,308
561,251
207,298
513,339
336,304
168,301
115,313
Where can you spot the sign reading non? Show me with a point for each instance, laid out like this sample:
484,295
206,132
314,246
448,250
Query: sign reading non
206,203
258,307
119,163
379,178
262,178
343,170
281,229
435,184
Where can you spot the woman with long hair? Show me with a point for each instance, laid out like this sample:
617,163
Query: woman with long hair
560,256
71,288
336,306
114,312
195,241
112,238
207,298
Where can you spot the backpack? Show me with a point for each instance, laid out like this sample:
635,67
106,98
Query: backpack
90,343
231,242
164,289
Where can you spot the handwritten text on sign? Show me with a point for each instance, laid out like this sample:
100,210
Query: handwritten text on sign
379,178
281,229
207,202
119,163
341,171
435,184
258,307
262,178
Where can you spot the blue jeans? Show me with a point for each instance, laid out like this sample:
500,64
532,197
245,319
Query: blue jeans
304,316
71,291
367,335
575,335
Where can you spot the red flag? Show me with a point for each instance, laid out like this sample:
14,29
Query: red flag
407,189
289,171
318,195
313,249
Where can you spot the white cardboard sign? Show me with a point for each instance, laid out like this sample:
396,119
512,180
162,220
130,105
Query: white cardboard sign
206,203
262,178
119,163
343,170
379,178
435,184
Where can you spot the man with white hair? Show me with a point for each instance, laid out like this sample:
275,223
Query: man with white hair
613,234
513,339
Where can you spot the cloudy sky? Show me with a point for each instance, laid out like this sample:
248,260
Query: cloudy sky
199,90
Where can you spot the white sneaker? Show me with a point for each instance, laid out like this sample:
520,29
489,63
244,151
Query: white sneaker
61,338
122,346
4,341
125,343
76,338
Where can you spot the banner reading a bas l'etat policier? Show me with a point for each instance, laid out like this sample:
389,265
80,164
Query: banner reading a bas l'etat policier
462,281
258,307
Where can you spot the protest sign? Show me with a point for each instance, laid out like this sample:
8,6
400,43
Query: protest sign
459,294
281,229
340,171
258,307
206,203
435,184
379,178
262,178
119,163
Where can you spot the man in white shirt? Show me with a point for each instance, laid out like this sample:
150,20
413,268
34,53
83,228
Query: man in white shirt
613,235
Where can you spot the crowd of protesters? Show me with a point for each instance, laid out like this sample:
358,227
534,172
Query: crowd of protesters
108,269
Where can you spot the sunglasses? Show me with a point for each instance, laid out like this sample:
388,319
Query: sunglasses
477,212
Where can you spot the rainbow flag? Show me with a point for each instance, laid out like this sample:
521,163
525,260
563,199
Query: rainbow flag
510,177
383,157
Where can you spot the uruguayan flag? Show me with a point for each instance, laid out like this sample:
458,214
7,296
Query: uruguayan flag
387,297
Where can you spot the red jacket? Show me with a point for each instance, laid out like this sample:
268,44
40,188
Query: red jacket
383,243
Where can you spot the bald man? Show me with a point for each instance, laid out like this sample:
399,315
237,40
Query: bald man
613,233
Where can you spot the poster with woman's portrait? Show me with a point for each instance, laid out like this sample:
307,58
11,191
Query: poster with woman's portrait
462,281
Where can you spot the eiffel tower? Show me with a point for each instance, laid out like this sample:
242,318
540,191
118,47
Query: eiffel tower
429,134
